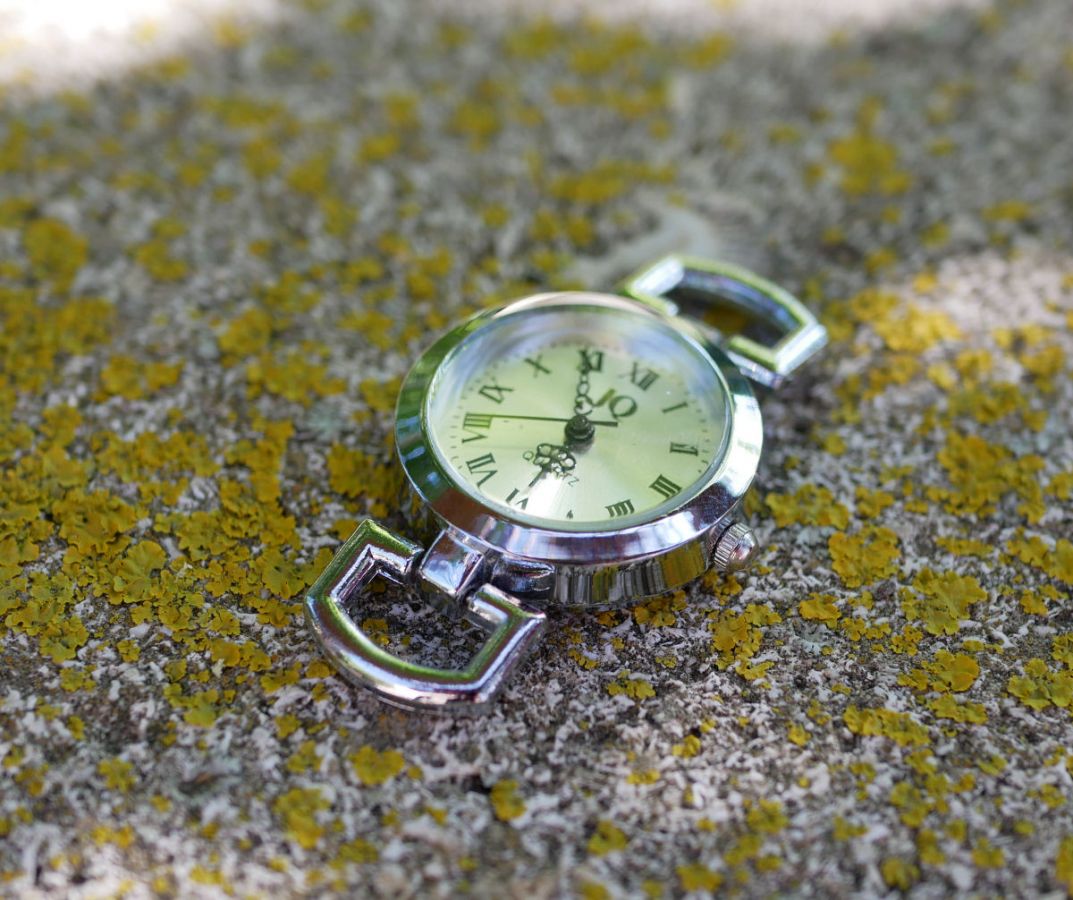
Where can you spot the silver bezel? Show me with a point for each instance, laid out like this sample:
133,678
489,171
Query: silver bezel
586,563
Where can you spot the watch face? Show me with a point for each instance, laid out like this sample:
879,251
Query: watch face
578,417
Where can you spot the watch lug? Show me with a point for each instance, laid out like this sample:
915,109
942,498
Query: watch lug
531,580
450,569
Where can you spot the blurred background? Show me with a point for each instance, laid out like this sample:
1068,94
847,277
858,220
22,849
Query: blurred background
227,229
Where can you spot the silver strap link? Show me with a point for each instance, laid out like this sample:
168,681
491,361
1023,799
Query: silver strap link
718,283
513,628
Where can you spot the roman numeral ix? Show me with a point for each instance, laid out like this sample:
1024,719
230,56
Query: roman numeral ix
494,392
691,449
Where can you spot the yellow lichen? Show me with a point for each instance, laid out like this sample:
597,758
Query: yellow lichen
245,335
358,851
871,503
118,774
986,855
660,611
124,376
1063,863
766,817
869,163
899,727
689,747
981,474
1041,687
505,800
899,873
297,810
1057,563
916,330
607,838
808,505
864,557
697,877
943,600
374,767
820,607
634,688
56,252
292,376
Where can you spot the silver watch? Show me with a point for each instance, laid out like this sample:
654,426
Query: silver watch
572,449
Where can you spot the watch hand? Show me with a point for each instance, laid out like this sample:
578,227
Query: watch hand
552,458
547,419
579,431
540,474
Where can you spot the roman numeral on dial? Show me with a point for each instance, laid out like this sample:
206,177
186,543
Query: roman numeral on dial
592,360
494,392
664,485
482,465
643,378
690,449
622,508
522,503
473,424
538,367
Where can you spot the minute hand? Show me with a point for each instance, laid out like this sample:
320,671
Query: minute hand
613,424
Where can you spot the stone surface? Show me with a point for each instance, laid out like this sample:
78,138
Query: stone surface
215,268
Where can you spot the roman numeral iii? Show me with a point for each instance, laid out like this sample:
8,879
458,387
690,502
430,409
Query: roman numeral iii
622,508
643,378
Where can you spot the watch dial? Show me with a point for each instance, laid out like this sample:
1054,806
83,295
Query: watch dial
578,417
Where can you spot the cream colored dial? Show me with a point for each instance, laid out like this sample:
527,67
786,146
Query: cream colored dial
579,418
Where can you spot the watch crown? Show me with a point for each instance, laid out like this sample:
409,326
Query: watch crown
735,549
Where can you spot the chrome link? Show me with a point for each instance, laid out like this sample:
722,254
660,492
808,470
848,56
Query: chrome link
451,568
802,335
513,627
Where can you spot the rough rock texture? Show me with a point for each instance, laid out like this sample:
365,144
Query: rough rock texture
213,272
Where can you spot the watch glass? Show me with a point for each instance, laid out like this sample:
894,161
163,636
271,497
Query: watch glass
579,416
